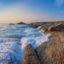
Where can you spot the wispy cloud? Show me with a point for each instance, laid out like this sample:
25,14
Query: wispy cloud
59,2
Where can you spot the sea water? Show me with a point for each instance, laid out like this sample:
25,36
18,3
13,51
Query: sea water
13,40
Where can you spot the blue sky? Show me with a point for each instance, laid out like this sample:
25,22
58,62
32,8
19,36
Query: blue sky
31,10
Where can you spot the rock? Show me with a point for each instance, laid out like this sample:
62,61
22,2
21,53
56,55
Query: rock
53,51
48,53
21,23
49,26
41,51
12,24
30,56
59,28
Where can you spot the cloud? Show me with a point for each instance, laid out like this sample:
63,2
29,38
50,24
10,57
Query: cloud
59,2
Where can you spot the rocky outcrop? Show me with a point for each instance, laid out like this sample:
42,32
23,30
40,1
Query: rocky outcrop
30,56
21,23
52,52
49,26
59,28
47,53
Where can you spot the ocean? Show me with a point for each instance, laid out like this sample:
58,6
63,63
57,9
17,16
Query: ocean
14,38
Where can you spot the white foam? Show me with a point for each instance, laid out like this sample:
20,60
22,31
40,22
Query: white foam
38,40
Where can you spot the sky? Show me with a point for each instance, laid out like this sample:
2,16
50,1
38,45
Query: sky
13,11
